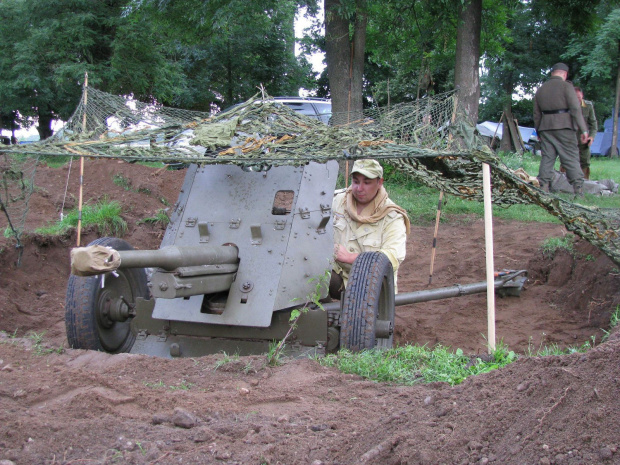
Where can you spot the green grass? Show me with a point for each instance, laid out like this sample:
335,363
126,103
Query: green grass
554,350
104,215
614,320
413,364
417,364
551,245
56,161
122,181
421,205
126,184
160,218
421,201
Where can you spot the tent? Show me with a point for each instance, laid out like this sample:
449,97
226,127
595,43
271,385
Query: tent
489,128
602,142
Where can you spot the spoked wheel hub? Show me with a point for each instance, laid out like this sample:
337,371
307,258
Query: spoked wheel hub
99,309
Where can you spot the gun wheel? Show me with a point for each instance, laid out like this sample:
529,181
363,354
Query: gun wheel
367,317
98,309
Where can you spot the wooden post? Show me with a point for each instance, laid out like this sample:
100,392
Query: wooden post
430,276
79,225
521,141
490,271
496,128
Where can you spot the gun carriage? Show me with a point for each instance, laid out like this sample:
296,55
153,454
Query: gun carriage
238,256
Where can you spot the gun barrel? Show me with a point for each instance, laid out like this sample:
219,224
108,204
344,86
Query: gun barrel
172,257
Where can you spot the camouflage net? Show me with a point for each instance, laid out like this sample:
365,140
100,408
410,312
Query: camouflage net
429,139
16,186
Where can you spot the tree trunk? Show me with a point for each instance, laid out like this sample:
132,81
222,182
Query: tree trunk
289,25
466,70
44,127
613,152
345,60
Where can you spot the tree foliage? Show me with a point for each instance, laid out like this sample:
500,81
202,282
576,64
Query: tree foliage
598,57
410,49
227,48
47,47
185,53
207,55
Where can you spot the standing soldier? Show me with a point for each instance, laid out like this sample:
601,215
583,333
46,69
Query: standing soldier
557,115
587,109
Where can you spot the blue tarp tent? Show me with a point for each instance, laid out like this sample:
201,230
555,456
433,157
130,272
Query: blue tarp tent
602,142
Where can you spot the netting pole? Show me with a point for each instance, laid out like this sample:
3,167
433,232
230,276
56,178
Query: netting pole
488,238
346,163
79,225
496,129
430,276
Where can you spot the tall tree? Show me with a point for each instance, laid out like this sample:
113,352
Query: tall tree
345,44
466,69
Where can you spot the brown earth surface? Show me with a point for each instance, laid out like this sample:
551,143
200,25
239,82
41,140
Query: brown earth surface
81,407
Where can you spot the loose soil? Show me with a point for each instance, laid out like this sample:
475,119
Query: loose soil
82,407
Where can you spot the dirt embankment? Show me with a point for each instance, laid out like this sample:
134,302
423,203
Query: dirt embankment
87,407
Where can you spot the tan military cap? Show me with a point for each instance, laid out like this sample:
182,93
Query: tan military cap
369,168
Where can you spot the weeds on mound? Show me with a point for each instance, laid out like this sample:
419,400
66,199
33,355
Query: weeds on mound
104,215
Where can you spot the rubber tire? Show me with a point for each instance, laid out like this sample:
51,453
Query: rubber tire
84,329
368,297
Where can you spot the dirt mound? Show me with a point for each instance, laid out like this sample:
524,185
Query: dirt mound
77,406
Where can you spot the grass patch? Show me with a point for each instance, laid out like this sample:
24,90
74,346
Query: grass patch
554,349
614,320
421,205
551,245
421,201
104,215
55,161
413,364
126,184
226,360
122,181
160,218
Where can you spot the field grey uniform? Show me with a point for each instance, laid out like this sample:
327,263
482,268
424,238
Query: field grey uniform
557,115
587,110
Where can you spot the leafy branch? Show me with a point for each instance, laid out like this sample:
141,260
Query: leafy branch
312,300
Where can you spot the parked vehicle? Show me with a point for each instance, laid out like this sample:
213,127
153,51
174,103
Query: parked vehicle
313,107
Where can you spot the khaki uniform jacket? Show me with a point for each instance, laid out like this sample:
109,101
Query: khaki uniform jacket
557,94
388,235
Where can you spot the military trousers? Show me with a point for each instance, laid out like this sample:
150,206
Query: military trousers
561,143
584,155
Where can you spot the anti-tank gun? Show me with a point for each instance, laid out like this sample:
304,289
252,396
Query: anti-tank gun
243,249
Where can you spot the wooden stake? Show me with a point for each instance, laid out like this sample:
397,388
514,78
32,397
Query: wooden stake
488,237
79,225
430,276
